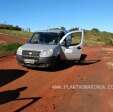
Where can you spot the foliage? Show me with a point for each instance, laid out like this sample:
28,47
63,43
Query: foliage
95,30
97,37
10,27
8,48
16,33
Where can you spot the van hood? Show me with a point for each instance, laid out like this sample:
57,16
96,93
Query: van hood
37,47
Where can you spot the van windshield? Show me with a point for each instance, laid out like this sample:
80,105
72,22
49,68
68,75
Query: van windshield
45,38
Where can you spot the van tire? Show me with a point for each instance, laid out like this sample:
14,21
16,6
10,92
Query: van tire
82,58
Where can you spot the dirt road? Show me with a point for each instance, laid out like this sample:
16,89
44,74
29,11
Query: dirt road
61,89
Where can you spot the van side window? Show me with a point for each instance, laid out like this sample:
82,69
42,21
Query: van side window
76,38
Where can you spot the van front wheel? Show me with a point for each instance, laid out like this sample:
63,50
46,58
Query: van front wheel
82,58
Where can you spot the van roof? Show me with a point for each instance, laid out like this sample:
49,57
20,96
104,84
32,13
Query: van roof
54,30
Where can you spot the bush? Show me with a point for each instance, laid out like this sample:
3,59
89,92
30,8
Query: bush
95,30
8,49
10,27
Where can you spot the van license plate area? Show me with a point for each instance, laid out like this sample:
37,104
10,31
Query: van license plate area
29,61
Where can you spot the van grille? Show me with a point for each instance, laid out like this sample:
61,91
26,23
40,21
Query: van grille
30,54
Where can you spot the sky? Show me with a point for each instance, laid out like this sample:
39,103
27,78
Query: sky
44,14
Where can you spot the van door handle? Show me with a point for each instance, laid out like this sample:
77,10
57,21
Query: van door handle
78,47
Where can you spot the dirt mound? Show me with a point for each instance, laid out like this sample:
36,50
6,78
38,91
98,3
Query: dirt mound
6,39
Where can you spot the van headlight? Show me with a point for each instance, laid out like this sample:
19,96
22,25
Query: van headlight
46,53
19,51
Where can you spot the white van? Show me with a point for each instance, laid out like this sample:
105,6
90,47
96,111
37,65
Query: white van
47,47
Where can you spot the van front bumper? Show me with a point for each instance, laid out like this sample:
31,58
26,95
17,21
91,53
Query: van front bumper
38,62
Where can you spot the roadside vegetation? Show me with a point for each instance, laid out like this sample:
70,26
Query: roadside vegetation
8,49
92,37
96,37
16,33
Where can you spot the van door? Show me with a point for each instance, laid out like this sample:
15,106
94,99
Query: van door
72,44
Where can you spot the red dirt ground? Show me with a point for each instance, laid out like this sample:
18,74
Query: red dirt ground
38,94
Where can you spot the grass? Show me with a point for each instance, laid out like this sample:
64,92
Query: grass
8,49
91,38
95,38
98,38
15,33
